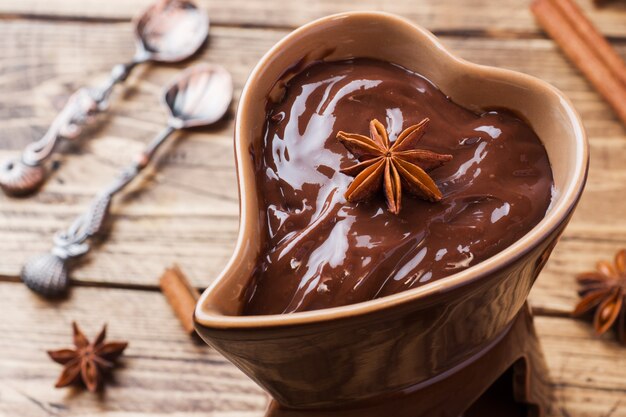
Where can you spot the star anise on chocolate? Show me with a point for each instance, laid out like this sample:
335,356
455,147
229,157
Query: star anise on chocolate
391,166
603,292
87,362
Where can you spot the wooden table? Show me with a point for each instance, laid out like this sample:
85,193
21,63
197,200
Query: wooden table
186,212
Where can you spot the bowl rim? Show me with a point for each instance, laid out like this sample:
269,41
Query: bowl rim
557,214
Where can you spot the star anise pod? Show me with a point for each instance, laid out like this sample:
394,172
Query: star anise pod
88,361
604,290
391,165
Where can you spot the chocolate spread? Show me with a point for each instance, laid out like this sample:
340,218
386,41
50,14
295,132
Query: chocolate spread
320,251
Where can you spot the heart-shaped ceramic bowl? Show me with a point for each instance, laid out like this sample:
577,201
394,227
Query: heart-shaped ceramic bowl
339,355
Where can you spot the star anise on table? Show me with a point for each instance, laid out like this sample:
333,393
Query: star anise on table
603,291
87,362
391,166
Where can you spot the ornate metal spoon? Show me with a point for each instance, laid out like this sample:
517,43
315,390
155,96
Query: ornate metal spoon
168,31
200,96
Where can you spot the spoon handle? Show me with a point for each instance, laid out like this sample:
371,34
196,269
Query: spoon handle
41,273
25,174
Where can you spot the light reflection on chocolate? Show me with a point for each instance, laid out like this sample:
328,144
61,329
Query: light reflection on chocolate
320,251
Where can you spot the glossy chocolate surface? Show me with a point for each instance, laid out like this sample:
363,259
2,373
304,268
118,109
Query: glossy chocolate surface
321,251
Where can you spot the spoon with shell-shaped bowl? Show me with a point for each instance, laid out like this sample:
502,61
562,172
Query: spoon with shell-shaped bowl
199,96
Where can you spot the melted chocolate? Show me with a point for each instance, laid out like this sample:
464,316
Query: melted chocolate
321,251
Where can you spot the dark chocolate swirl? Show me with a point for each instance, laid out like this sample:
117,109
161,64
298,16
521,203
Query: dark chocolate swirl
320,251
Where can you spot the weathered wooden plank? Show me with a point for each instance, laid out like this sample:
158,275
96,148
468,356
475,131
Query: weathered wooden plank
165,372
49,60
577,361
187,211
438,15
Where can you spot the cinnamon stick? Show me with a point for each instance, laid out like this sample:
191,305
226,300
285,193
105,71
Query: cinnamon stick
593,37
181,295
586,48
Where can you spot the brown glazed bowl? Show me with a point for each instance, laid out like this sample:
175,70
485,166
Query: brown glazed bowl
319,359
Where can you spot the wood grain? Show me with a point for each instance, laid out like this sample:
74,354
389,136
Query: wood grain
187,211
165,372
479,16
